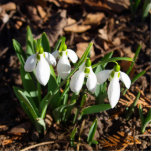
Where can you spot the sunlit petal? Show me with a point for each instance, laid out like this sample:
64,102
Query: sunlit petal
91,82
42,71
125,79
63,67
50,58
77,80
72,55
30,63
103,76
114,91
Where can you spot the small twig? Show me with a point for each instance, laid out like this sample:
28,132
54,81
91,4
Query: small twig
141,135
3,52
37,145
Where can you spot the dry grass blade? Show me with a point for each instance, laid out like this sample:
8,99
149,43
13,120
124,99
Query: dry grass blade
118,141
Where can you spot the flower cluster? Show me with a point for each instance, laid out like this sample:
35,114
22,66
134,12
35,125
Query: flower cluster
41,61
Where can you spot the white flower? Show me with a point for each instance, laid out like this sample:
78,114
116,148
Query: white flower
77,79
114,87
63,66
41,64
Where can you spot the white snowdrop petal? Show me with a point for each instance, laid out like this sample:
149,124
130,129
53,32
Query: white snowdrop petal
72,55
42,71
55,54
63,67
103,76
125,79
114,91
50,58
77,81
91,82
30,63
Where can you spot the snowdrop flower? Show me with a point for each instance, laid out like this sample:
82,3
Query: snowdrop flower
77,79
63,66
40,63
114,87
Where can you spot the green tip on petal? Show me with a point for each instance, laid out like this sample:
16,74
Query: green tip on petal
64,47
41,50
38,57
87,70
88,63
117,68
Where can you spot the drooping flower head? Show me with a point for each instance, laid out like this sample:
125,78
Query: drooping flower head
114,76
63,66
40,62
77,79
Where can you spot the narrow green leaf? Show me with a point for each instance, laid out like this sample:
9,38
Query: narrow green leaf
45,43
92,132
146,8
52,84
134,59
141,114
72,136
58,43
95,109
19,52
28,104
29,42
131,108
137,76
146,121
23,105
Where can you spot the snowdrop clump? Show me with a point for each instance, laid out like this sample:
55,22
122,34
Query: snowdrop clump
63,66
40,63
114,76
77,80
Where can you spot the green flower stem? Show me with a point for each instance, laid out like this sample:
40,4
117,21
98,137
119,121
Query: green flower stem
111,60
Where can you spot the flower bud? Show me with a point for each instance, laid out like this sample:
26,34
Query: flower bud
117,68
88,63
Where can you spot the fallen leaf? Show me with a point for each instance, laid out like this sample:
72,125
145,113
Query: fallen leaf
10,141
103,34
128,53
8,6
72,26
94,19
41,11
81,47
20,129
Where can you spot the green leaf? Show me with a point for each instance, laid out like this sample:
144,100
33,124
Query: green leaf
19,52
28,84
134,59
111,60
137,76
95,109
146,121
131,108
52,84
141,114
72,136
21,96
58,43
23,105
92,132
146,8
29,42
45,43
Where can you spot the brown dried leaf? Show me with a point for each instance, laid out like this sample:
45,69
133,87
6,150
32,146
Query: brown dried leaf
8,6
41,11
103,34
94,19
81,47
20,129
74,27
9,141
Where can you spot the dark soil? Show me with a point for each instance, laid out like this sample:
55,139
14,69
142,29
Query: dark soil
124,33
